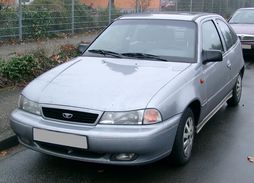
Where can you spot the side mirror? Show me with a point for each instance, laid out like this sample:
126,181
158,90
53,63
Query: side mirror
211,56
82,47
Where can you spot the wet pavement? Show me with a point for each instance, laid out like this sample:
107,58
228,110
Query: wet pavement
219,155
8,102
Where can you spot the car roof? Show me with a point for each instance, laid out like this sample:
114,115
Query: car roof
168,16
250,8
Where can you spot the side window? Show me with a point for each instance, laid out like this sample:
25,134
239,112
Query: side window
211,38
228,35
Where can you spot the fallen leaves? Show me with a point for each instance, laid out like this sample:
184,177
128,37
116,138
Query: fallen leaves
56,58
67,52
9,151
3,153
42,64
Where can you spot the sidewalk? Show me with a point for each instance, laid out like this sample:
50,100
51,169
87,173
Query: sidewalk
8,102
50,46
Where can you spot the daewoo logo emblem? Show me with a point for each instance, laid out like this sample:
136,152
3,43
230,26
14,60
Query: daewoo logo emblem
67,115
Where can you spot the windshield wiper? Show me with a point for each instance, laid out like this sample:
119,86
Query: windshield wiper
133,55
144,56
106,52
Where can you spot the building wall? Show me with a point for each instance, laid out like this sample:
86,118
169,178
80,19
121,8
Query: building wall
96,3
120,4
8,2
125,4
155,4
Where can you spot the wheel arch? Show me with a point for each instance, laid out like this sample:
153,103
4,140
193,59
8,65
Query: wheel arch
242,71
195,106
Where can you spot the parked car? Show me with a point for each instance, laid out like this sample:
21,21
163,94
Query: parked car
140,91
243,23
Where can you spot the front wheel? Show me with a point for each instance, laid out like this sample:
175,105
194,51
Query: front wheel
182,148
237,92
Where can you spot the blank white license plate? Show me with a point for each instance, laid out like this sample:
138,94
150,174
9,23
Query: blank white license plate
60,138
245,46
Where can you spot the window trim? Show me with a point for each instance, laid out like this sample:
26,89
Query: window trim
231,30
222,43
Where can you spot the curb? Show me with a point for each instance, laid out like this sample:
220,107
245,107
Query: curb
9,142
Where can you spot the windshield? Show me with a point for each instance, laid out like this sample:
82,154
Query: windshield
243,17
162,40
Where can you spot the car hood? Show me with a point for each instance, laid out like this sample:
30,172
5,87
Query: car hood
105,84
243,28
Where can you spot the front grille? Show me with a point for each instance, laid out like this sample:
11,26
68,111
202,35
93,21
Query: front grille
246,38
69,115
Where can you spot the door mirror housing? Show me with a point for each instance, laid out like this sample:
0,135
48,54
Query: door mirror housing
211,56
82,47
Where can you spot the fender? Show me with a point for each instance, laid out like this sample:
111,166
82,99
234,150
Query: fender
178,94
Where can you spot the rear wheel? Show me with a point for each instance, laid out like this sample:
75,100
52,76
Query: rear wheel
182,148
237,92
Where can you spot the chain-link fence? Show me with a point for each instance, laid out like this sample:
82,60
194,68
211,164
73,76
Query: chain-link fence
223,7
45,18
22,19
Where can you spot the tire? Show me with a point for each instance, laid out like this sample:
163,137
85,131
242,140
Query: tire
181,153
237,93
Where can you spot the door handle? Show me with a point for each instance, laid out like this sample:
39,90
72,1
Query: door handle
229,65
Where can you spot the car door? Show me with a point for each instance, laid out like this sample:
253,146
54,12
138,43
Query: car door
233,51
215,73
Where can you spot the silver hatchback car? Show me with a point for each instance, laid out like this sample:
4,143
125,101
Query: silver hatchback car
138,93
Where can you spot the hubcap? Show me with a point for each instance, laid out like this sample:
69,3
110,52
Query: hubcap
188,135
239,87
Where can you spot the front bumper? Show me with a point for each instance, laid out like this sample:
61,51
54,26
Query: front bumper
148,142
248,47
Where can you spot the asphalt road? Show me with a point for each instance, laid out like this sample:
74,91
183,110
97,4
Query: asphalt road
8,101
219,156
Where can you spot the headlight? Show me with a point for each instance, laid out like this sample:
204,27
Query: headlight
139,117
29,106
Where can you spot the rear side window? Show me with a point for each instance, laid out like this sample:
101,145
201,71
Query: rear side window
211,38
228,35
